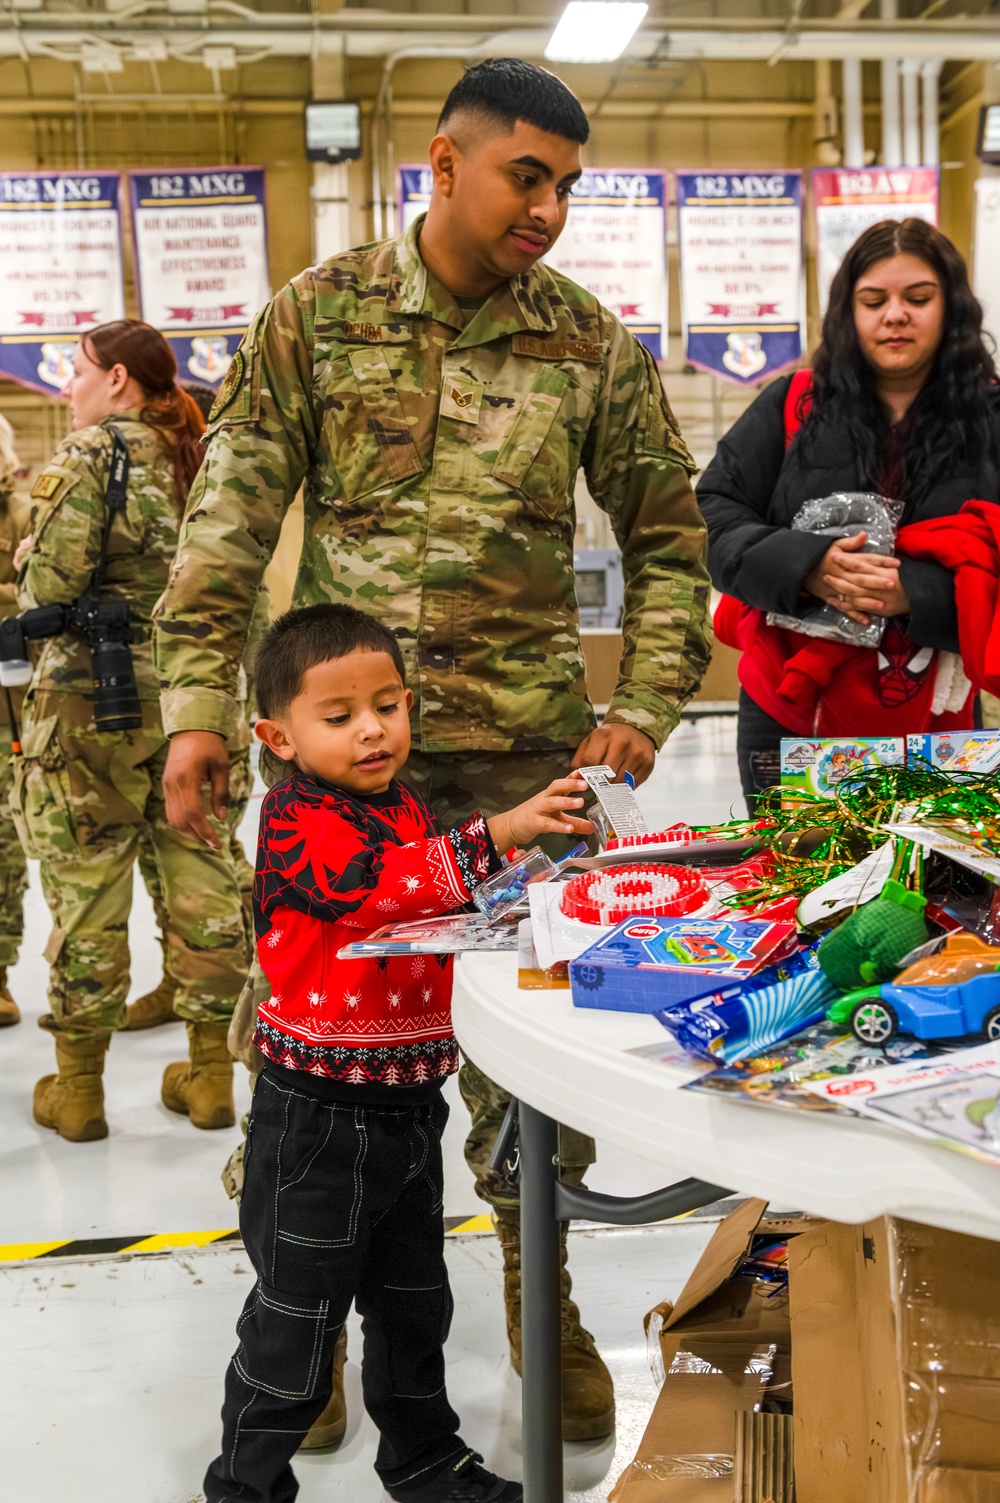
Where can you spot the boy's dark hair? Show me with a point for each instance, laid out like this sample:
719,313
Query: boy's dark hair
313,634
505,90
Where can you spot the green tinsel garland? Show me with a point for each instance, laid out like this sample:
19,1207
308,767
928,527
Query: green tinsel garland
814,839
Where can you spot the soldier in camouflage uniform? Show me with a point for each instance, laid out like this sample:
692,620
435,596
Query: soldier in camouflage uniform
13,867
437,395
81,797
156,1007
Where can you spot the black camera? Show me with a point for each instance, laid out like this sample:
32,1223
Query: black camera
104,625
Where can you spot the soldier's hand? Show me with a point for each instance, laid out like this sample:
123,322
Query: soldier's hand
621,747
194,759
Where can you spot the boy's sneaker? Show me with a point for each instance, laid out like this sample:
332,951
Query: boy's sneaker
464,1481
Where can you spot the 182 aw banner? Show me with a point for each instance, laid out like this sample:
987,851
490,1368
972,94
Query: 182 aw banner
201,260
742,282
848,200
60,270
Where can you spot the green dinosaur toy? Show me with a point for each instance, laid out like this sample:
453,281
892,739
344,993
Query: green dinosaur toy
869,945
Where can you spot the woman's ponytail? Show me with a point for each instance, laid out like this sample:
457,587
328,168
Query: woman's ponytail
168,408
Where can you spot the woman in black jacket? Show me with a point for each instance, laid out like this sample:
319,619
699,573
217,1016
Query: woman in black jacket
903,401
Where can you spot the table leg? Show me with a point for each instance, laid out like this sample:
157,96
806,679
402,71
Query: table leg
541,1331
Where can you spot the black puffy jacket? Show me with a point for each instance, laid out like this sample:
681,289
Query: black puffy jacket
752,489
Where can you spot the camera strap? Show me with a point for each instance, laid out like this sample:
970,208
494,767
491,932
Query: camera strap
115,500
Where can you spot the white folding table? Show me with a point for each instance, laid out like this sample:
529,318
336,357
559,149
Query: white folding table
573,1065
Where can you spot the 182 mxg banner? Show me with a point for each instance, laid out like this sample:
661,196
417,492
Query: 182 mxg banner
742,280
61,254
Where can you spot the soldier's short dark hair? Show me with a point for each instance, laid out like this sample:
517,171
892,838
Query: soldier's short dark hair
313,634
506,90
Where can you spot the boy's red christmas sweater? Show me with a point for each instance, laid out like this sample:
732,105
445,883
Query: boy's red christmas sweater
331,867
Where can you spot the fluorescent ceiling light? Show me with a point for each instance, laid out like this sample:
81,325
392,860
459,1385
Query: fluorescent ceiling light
595,31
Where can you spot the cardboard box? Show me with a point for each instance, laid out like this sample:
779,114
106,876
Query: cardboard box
723,1348
818,766
896,1364
956,751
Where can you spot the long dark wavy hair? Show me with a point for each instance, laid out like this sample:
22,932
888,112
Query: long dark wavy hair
949,421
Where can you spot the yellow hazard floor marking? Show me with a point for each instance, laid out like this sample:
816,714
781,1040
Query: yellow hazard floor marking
159,1242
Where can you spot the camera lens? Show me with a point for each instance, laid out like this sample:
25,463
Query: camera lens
116,697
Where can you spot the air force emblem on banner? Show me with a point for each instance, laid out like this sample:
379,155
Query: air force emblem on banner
744,354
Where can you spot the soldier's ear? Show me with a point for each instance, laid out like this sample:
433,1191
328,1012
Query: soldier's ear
275,738
443,155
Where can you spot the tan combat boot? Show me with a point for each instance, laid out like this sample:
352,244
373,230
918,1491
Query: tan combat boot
154,1008
327,1432
9,1011
73,1101
202,1089
588,1393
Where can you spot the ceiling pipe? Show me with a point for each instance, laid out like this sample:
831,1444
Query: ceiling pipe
373,33
930,75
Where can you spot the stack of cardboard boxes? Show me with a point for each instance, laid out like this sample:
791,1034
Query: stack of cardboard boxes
881,1357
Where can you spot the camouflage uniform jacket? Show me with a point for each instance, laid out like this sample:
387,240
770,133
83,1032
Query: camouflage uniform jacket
68,512
13,527
439,451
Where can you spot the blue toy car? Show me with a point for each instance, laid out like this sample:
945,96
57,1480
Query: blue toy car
930,1012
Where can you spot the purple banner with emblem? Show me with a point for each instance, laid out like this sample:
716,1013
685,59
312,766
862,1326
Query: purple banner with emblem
201,260
742,278
60,270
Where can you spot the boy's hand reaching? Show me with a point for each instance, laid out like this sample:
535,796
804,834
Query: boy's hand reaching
545,814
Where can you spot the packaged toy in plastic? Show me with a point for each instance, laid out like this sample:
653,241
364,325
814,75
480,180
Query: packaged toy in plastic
739,1021
844,515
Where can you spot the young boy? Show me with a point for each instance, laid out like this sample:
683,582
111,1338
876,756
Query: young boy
343,1194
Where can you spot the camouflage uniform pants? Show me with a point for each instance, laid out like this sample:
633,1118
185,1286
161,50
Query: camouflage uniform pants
81,800
455,783
240,788
13,866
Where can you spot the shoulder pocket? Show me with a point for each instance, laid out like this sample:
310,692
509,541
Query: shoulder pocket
660,434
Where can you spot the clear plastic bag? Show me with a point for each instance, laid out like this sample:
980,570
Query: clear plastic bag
843,515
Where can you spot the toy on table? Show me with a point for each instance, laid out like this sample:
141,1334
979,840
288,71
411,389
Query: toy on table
941,996
735,1022
617,800
872,942
614,893
500,894
648,962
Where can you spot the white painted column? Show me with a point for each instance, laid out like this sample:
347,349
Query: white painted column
330,191
930,73
892,140
854,131
911,112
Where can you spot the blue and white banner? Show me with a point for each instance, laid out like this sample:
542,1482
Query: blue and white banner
60,270
743,304
413,193
615,245
201,260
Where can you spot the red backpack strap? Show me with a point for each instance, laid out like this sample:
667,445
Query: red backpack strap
798,401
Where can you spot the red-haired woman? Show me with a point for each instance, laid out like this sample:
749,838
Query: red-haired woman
82,795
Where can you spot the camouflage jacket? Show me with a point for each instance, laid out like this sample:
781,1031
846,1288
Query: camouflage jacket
13,527
439,451
68,511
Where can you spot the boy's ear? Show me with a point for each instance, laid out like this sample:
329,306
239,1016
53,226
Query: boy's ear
408,699
275,738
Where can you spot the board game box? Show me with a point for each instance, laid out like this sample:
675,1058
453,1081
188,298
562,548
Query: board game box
645,963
